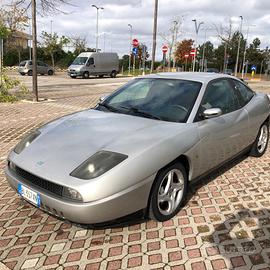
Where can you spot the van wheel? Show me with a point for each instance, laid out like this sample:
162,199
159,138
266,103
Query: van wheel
85,75
50,72
113,74
30,73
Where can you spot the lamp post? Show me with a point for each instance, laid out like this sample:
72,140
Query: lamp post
130,41
97,8
238,49
245,52
197,28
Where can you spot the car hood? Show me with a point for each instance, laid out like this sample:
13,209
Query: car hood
65,143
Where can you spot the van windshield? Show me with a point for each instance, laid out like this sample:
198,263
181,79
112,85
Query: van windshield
80,61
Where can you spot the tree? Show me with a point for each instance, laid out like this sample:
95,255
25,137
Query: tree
182,48
79,44
53,43
206,51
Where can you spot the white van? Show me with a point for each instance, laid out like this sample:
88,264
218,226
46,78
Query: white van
92,63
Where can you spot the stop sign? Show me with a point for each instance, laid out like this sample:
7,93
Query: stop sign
135,42
164,48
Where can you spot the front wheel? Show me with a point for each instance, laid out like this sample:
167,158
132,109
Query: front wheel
260,145
30,73
168,192
85,75
50,72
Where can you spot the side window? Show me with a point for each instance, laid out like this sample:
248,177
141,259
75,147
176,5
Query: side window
90,61
39,63
220,94
245,93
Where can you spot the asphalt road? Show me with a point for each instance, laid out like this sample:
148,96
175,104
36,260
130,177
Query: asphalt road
61,86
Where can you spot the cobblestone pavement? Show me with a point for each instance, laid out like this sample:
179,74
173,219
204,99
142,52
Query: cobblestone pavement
225,223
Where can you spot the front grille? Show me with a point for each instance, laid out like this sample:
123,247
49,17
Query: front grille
37,181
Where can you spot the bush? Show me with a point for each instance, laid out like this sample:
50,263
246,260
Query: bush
9,84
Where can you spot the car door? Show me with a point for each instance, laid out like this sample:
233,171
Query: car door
221,137
91,66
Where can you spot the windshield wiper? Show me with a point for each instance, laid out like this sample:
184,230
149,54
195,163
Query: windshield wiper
141,112
108,107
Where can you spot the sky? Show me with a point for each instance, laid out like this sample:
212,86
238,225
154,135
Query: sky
79,20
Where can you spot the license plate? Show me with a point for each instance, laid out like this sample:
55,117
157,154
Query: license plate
29,194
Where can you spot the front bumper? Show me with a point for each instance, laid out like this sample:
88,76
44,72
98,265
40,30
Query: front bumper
113,207
73,73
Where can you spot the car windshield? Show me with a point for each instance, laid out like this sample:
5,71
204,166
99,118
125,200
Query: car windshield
80,61
164,99
22,64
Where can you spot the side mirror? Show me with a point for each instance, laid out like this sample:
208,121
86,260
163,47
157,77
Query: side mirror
211,113
101,99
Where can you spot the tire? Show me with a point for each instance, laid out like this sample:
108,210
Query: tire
113,74
73,77
85,75
22,74
50,72
260,145
164,206
30,73
100,76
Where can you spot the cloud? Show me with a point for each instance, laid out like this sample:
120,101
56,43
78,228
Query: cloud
80,20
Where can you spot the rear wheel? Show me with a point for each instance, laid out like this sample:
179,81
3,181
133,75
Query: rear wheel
168,192
30,73
50,72
113,74
85,75
260,145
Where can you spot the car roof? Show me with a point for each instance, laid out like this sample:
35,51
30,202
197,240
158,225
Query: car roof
202,77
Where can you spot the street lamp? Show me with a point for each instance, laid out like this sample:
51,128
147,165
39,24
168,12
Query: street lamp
98,8
245,52
130,41
197,28
238,49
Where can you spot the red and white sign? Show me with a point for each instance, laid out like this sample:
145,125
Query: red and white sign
186,55
193,52
135,42
164,48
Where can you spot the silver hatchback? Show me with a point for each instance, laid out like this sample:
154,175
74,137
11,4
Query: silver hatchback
26,67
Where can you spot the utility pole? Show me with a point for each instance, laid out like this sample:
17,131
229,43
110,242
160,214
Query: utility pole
1,59
203,56
154,44
197,28
130,53
98,8
34,37
238,49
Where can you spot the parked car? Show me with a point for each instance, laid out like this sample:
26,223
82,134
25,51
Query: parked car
97,64
26,67
139,147
228,71
212,70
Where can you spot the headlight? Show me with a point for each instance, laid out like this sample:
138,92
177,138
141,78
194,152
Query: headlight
98,164
71,194
25,142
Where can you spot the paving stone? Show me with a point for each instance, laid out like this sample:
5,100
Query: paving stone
225,223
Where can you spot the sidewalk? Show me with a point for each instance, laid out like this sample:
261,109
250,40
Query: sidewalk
225,223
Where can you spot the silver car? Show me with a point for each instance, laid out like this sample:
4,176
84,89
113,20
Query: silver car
26,68
138,149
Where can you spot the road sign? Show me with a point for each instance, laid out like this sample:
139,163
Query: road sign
193,52
186,55
135,42
253,68
164,48
135,51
